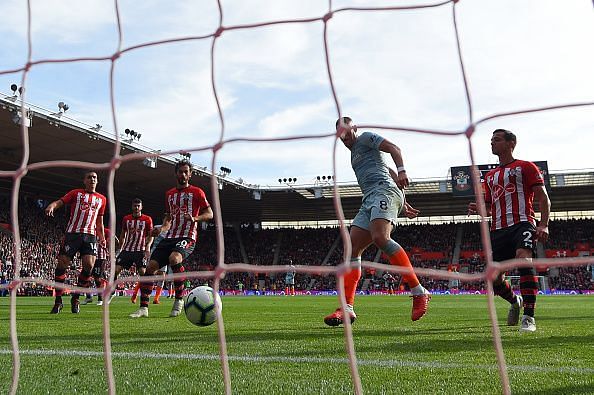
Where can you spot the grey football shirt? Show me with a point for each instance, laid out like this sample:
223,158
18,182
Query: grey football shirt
369,163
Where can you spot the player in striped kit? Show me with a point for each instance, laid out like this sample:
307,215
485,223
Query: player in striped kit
510,190
160,235
83,232
98,271
185,207
136,239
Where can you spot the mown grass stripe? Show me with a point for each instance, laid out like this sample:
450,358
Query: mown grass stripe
307,360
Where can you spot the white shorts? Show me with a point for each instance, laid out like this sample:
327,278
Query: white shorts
385,202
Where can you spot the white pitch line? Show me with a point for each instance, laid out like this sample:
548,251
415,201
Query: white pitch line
262,359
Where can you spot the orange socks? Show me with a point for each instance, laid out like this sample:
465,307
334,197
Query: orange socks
401,259
398,257
158,292
351,279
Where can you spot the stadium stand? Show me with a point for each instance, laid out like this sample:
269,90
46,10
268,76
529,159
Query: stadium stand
448,246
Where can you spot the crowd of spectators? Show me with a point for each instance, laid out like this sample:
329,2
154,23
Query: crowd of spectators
572,278
40,240
429,237
308,246
567,234
471,237
205,255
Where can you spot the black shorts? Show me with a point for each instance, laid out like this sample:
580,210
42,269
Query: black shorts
84,243
127,259
506,241
183,245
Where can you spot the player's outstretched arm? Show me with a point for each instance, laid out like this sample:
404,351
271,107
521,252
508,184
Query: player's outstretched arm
205,214
149,242
120,242
393,174
101,231
401,178
544,206
49,210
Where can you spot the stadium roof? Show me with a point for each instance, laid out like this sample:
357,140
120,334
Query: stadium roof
56,137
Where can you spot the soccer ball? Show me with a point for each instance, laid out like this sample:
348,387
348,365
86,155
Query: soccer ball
200,305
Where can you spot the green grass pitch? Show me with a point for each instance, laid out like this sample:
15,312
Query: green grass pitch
280,345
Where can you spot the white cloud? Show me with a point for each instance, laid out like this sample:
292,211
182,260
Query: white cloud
392,68
258,11
67,21
527,54
154,20
295,118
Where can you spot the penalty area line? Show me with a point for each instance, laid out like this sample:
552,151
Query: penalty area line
306,360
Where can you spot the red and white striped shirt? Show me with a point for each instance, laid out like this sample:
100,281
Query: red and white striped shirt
178,202
509,191
85,207
137,230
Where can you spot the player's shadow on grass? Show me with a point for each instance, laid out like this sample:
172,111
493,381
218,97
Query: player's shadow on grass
566,390
422,343
568,318
531,341
412,331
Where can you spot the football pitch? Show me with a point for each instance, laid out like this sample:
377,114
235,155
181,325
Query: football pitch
280,345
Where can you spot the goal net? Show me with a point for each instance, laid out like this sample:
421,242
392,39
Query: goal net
327,33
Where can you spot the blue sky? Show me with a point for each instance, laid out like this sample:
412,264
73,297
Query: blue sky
390,68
